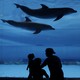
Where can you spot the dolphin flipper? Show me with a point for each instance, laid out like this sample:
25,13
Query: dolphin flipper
44,6
37,31
59,17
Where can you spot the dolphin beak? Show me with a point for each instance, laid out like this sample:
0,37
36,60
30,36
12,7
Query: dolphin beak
75,11
53,28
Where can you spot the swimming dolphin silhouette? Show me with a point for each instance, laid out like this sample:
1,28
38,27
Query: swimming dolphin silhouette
46,12
28,25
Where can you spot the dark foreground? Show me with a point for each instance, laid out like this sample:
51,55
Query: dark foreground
8,78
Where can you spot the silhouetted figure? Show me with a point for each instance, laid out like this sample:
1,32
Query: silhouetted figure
54,65
38,72
30,65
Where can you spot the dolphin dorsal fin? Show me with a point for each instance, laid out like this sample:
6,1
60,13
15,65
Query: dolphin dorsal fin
44,6
27,19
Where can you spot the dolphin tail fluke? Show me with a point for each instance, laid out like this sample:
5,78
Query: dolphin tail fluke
3,20
17,5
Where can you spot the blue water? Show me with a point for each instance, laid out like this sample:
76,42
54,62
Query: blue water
20,71
16,44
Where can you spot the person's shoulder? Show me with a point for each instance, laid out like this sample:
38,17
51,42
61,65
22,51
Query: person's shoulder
56,57
46,60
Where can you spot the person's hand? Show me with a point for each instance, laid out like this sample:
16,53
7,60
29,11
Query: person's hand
27,68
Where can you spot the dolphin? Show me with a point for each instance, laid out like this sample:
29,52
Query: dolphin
45,12
29,25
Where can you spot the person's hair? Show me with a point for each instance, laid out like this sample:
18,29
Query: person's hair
31,56
37,60
50,50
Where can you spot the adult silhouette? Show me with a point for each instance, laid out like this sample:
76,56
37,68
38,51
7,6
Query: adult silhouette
54,65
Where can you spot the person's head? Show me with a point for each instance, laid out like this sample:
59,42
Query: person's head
37,61
31,56
49,52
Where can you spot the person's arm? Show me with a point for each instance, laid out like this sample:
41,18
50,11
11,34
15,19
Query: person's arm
45,74
27,67
44,63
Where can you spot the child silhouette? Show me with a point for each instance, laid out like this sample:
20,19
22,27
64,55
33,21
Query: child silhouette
30,64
